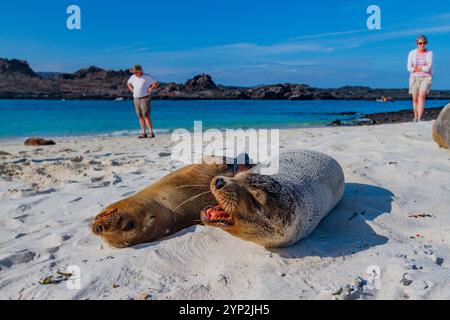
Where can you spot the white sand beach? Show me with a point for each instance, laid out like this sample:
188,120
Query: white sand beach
395,215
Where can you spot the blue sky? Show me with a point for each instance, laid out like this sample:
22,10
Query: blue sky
239,42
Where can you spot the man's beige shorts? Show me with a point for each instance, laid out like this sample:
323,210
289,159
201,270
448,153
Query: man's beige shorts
418,85
142,106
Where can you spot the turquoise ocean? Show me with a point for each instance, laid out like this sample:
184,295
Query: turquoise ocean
50,118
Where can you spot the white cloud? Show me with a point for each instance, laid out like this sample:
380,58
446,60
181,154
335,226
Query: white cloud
329,34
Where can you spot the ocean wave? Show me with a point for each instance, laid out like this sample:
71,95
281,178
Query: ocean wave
126,133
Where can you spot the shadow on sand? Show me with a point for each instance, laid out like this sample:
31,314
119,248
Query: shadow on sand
180,233
345,230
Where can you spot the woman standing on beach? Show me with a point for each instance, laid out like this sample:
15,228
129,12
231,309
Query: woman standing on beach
420,66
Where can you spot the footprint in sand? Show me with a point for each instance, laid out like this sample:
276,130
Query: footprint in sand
97,179
116,179
53,242
75,200
21,218
93,162
20,257
128,194
100,185
32,193
24,207
165,154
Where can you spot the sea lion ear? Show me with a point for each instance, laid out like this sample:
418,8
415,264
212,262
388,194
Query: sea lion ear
259,195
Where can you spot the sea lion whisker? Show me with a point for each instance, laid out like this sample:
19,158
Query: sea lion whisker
192,185
167,199
192,198
278,210
91,223
203,171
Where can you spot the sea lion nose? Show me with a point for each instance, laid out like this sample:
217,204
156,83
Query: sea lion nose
220,183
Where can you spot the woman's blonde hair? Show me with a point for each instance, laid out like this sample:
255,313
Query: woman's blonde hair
423,38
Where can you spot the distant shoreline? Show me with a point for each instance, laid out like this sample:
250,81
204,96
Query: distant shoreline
339,94
195,99
19,81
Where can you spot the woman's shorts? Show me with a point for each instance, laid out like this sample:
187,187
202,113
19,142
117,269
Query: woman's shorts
418,85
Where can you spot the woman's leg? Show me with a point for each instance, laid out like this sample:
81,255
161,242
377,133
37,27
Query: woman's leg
415,105
421,105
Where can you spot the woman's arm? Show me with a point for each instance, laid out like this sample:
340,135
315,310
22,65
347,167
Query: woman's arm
429,65
410,65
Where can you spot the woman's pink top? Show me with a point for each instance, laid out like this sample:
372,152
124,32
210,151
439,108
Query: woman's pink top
421,60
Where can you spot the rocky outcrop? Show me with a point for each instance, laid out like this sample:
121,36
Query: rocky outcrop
384,117
200,82
14,68
19,81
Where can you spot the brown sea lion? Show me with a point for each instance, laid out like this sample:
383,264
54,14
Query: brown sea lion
170,204
38,142
278,210
441,128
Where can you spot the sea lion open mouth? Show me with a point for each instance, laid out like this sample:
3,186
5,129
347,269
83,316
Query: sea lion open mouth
217,215
277,210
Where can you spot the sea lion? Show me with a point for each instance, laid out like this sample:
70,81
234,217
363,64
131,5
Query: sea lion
170,204
441,128
277,211
38,142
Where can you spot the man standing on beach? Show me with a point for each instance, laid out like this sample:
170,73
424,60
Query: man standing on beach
142,85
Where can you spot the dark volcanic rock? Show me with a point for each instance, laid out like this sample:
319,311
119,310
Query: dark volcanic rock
276,92
200,82
402,116
15,67
19,81
336,123
387,117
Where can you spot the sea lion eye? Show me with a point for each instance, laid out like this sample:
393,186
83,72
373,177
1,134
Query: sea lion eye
129,226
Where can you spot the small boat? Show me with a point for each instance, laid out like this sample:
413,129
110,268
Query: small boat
119,99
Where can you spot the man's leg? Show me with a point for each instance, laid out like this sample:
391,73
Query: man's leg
146,109
142,123
149,124
139,114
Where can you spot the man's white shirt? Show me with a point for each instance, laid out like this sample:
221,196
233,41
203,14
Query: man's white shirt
141,85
